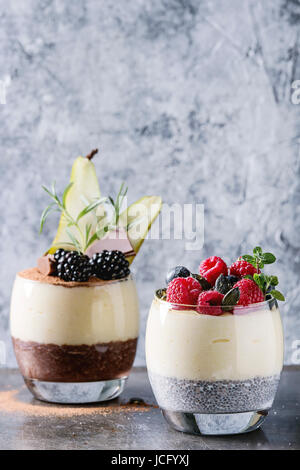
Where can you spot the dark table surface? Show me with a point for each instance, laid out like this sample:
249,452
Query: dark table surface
27,423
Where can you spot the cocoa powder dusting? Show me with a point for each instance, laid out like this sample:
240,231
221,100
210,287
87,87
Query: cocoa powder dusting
11,403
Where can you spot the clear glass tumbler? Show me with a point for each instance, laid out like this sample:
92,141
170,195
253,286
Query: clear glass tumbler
74,344
214,374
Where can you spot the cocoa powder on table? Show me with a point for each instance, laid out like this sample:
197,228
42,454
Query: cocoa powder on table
11,403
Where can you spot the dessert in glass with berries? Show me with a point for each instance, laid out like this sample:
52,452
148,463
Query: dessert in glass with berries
214,345
75,316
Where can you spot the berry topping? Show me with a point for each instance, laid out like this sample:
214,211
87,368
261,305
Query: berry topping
183,291
109,265
178,271
250,293
225,283
242,268
72,266
60,253
211,268
210,303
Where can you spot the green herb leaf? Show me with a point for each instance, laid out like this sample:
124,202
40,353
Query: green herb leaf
250,259
91,240
74,240
273,280
117,204
82,237
277,295
45,214
92,206
264,282
268,258
260,280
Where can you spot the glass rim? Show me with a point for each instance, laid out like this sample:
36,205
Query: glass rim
269,303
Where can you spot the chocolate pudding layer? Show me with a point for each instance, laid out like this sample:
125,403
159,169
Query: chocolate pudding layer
75,363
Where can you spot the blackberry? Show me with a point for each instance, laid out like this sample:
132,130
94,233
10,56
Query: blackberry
109,265
72,266
59,253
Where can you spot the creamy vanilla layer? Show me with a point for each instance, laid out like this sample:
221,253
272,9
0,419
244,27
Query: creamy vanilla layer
48,313
186,344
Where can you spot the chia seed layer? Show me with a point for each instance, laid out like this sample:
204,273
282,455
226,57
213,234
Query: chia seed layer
221,396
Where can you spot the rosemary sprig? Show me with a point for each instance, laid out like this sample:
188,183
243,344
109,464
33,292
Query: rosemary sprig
117,204
83,239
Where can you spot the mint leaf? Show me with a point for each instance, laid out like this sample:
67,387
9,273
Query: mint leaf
268,258
259,280
273,280
277,295
264,282
250,259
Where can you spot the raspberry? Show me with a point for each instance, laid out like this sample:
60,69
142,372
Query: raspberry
209,303
250,293
211,268
183,291
242,268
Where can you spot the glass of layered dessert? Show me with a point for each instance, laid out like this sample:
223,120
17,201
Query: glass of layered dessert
214,346
74,342
75,316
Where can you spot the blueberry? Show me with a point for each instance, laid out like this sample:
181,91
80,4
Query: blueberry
232,279
178,271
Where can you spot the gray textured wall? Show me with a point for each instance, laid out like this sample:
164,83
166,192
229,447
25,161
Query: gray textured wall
187,99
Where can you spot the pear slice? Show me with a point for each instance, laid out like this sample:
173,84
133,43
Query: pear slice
138,218
85,189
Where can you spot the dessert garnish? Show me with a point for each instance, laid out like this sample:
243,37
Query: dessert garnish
178,271
217,289
264,282
242,268
183,290
95,236
109,265
250,293
72,266
47,265
114,240
212,267
210,303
